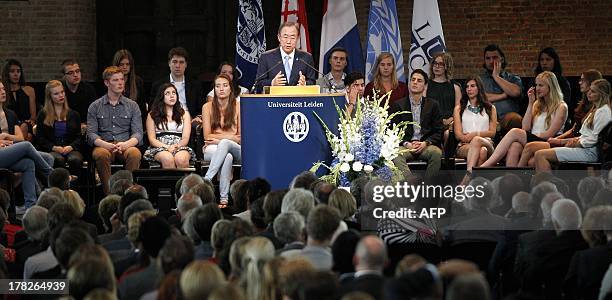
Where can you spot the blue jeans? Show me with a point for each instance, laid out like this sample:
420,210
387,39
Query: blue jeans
222,156
23,157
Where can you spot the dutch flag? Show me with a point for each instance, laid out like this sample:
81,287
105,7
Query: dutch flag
339,29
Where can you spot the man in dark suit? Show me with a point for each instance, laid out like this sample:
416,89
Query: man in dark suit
423,141
275,64
190,91
369,260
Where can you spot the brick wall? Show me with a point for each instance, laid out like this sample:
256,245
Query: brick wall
580,30
42,33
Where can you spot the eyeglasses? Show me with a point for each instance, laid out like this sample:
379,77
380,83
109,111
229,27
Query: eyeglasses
439,64
77,71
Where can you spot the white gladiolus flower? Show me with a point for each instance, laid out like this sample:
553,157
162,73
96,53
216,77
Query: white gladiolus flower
349,157
344,167
357,166
368,169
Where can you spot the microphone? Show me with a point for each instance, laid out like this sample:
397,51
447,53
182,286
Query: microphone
332,86
264,75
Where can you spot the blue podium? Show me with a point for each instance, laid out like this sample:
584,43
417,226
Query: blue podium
281,136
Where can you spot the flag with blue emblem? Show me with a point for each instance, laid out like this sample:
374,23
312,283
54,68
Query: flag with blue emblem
250,39
427,36
384,36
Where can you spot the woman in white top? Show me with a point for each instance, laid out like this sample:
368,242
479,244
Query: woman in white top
227,68
544,118
168,137
581,148
475,124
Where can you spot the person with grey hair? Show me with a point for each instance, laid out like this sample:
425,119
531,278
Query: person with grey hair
537,193
289,229
587,188
548,262
303,180
469,286
588,267
49,197
300,200
546,206
190,181
35,226
121,174
186,203
520,202
369,260
321,225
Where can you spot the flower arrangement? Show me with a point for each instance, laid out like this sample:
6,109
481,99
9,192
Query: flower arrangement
366,144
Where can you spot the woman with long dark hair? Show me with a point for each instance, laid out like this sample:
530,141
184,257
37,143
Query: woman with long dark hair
475,124
228,68
221,123
59,129
134,85
548,60
21,98
168,130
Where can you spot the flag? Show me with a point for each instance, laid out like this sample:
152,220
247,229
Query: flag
295,11
384,36
250,40
427,36
339,29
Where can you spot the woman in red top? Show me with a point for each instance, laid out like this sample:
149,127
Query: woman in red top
385,79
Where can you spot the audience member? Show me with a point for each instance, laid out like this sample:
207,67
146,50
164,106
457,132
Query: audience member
21,97
203,219
355,86
168,129
584,105
587,188
59,178
80,94
289,229
369,260
188,202
107,212
444,89
385,79
228,68
199,279
257,251
114,128
345,203
469,286
299,200
333,81
134,85
548,60
205,191
321,224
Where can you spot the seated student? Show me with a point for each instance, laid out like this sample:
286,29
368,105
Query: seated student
166,130
583,148
354,83
475,122
221,123
79,93
543,119
333,81
59,129
443,88
423,141
114,128
134,85
17,155
385,79
228,69
20,97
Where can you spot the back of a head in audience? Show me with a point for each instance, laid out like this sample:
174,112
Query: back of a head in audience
358,187
409,263
176,253
290,272
235,186
101,294
220,235
120,186
343,251
137,206
289,227
587,188
509,185
59,178
227,291
520,202
35,223
565,215
133,226
66,240
203,219
199,279
88,275
420,283
370,254
188,202
484,201
256,252
303,180
603,197
322,190
121,174
190,181
73,198
257,214
61,214
258,187
546,205
107,208
128,198
322,223
153,234
300,200
272,205
318,285
49,197
469,286
537,193
204,191
597,225
344,202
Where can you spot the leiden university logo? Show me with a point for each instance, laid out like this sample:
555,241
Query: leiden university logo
296,127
